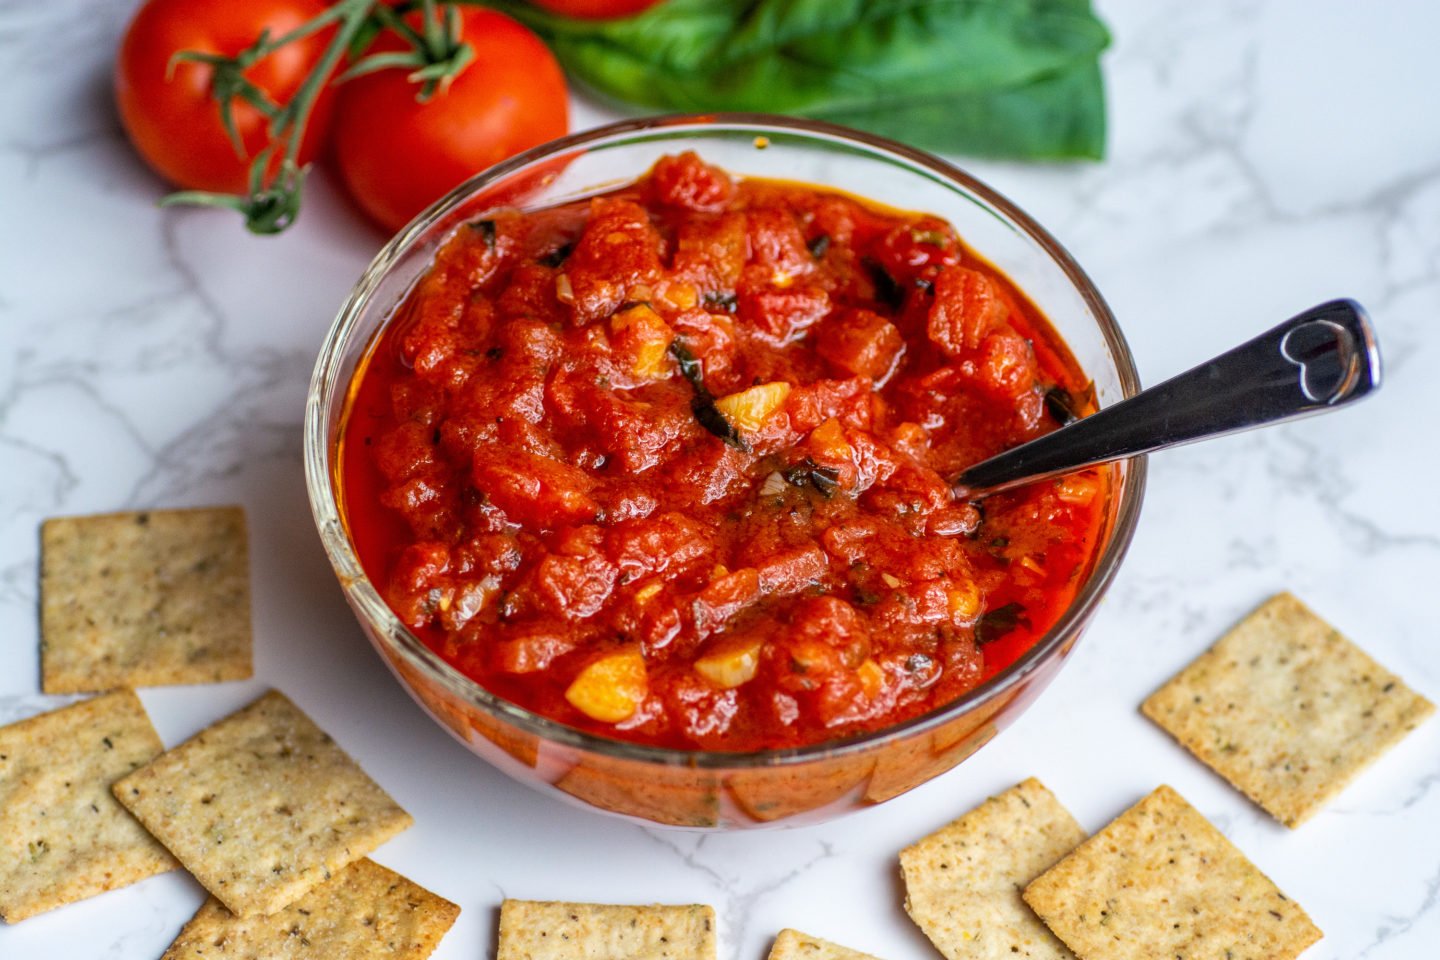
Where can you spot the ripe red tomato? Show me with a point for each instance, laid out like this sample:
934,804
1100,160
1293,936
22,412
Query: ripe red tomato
595,9
397,155
174,122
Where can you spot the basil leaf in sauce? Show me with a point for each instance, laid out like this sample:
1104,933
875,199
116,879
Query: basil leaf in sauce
703,406
809,473
887,291
721,302
1066,407
1060,407
558,256
994,624
486,229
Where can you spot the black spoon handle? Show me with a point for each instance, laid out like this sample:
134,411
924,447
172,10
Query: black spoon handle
1312,363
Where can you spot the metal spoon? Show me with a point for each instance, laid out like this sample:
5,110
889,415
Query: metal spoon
1315,362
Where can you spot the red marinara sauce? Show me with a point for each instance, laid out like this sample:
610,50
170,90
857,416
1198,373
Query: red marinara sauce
669,464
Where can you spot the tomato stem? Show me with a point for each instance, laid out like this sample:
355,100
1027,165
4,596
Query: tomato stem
437,55
387,17
272,201
434,41
228,82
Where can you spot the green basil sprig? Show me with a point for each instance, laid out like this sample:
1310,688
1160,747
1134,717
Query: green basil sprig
996,78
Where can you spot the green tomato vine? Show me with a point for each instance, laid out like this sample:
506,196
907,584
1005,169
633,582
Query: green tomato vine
436,54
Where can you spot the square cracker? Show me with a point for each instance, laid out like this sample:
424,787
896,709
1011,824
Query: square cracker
365,913
261,806
141,599
1161,881
536,930
62,835
1287,709
963,882
794,945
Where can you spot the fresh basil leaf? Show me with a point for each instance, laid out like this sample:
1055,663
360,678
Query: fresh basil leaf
1005,79
1057,117
682,35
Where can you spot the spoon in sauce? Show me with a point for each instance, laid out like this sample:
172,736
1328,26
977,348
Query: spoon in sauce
1315,362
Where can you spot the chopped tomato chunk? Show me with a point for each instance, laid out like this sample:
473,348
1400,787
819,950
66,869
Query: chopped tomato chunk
689,183
967,307
615,260
783,313
862,343
533,489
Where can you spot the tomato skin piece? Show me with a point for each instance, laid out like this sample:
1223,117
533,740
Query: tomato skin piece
534,489
689,183
396,155
174,123
862,343
595,9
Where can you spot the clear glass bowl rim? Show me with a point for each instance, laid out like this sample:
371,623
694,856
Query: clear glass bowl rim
400,641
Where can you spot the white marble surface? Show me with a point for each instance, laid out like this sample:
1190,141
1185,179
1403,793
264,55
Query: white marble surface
1264,156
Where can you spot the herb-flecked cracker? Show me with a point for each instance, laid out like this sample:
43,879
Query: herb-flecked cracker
1287,709
365,913
141,599
539,930
1161,881
963,882
261,806
62,835
794,945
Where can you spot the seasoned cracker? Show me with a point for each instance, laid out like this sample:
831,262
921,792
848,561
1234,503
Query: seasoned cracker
538,930
1161,881
794,945
1287,709
365,913
963,882
262,806
141,599
62,835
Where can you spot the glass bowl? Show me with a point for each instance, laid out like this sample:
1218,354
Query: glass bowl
701,789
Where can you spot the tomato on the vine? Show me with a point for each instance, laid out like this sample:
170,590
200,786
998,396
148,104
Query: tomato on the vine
396,154
167,109
595,9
